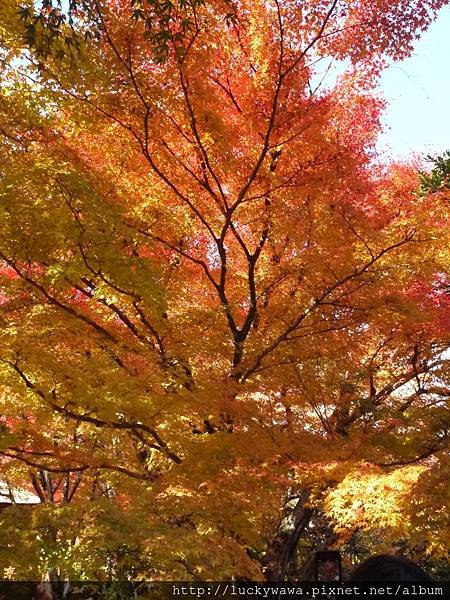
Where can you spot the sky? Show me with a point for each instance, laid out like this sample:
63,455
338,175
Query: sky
417,89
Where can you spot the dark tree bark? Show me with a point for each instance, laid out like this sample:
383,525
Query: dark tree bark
295,518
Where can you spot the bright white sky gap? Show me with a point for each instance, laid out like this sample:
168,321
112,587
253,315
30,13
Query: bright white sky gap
418,92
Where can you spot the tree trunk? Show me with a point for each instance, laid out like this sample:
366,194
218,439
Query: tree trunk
281,550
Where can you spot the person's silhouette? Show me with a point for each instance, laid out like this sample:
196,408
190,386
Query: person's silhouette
388,567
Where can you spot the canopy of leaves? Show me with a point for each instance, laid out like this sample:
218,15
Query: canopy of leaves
439,177
211,293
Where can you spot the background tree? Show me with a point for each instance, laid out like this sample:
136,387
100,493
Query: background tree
217,309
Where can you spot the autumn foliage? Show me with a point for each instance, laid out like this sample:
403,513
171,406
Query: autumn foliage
218,308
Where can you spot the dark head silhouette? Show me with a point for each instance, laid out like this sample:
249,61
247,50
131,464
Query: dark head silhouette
387,567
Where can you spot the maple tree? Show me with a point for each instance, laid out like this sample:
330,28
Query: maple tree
221,317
